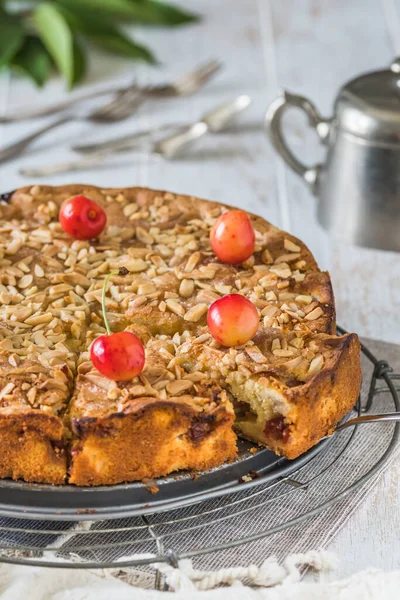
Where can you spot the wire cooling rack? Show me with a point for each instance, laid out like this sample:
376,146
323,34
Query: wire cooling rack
220,524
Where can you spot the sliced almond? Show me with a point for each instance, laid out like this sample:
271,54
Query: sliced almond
270,296
196,312
57,290
186,288
102,382
291,246
14,246
146,288
316,364
39,271
31,395
304,299
297,342
130,209
255,354
25,281
281,271
175,307
314,314
144,236
287,258
77,279
177,387
266,257
205,337
276,344
192,262
136,265
282,353
21,313
7,389
223,289
269,311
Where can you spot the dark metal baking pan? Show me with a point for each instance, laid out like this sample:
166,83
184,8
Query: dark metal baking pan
72,503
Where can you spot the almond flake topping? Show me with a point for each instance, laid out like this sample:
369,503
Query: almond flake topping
282,353
316,364
195,313
314,314
186,288
177,387
175,307
39,271
25,281
291,246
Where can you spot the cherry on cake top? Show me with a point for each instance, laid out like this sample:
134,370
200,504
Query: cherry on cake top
82,218
233,320
232,237
118,356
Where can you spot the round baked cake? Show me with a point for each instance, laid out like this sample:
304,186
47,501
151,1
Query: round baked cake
62,421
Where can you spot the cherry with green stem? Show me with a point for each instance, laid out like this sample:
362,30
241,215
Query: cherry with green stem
118,356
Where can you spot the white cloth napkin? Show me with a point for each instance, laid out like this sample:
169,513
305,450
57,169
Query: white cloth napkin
38,583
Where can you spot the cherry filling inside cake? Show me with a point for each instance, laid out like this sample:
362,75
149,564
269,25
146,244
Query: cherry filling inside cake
61,420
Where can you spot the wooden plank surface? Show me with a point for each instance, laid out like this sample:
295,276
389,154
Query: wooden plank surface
310,47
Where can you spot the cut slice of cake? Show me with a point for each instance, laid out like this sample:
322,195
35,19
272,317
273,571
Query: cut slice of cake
166,420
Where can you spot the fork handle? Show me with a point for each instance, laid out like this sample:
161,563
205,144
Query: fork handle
174,144
65,167
60,106
17,147
395,416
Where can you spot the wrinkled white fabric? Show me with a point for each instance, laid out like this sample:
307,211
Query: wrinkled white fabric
274,581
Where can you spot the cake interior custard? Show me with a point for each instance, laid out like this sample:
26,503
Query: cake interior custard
61,421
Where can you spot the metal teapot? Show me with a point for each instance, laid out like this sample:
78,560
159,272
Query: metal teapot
358,186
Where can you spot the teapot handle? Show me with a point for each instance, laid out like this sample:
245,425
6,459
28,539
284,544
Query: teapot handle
273,123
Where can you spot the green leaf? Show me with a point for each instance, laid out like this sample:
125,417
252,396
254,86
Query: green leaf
102,34
11,36
80,64
56,36
163,13
144,11
33,60
118,44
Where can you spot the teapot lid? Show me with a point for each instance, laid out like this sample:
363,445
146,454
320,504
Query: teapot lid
369,106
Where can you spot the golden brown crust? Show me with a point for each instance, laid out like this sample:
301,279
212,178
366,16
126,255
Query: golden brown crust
32,446
50,288
318,404
156,438
326,398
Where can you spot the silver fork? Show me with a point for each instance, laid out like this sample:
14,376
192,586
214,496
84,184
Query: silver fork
213,121
118,109
185,85
364,419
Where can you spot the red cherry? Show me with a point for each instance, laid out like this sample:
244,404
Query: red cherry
82,218
232,237
119,356
232,320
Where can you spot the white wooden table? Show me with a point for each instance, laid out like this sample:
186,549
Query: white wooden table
307,46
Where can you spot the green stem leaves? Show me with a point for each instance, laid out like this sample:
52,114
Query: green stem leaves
56,33
122,271
57,37
11,36
103,301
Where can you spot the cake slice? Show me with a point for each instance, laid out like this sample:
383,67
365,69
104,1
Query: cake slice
165,420
32,401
